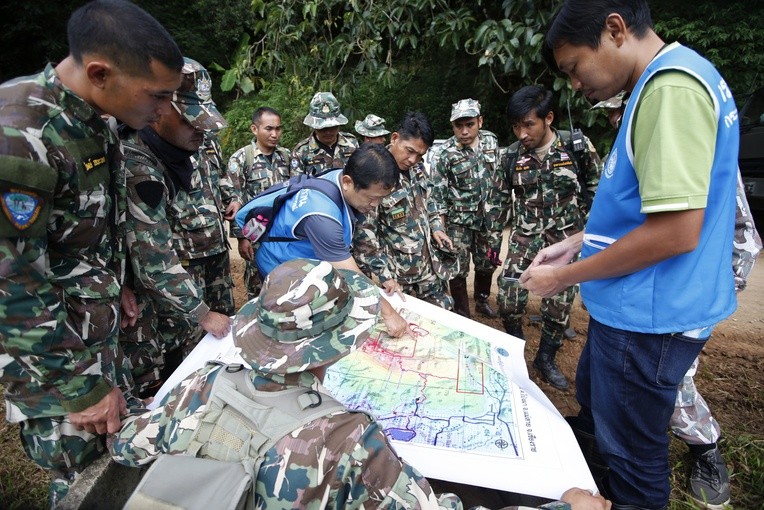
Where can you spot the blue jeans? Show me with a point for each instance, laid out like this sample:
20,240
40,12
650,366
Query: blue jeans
626,384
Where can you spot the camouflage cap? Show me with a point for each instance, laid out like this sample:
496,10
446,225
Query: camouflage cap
324,112
193,99
307,315
465,108
371,126
613,103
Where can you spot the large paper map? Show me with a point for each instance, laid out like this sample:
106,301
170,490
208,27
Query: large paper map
436,389
455,400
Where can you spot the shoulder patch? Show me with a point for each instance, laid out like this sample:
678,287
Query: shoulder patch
150,192
21,207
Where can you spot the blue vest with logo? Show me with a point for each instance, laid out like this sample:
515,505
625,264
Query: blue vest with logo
306,202
685,292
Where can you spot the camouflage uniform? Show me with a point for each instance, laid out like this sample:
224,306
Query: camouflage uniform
394,241
158,278
468,184
255,172
63,202
308,157
199,239
547,207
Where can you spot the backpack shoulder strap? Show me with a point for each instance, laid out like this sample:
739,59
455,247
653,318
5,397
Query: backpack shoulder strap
511,161
249,156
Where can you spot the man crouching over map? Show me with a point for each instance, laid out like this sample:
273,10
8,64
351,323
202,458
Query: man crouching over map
274,422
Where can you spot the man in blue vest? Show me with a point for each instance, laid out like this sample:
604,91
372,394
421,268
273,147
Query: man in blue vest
324,231
654,271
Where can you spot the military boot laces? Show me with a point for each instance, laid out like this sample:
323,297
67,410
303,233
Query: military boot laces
709,482
546,366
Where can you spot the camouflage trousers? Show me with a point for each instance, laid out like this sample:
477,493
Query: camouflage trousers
56,445
252,279
513,299
475,243
431,289
692,421
213,275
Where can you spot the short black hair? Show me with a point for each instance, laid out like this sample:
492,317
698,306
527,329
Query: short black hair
260,111
581,22
372,163
124,33
530,97
416,125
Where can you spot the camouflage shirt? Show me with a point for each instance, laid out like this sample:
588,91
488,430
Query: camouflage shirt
61,247
255,172
547,193
308,157
157,272
342,460
470,184
393,240
196,215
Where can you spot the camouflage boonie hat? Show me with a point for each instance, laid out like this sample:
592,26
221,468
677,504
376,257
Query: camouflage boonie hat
371,126
613,103
307,315
324,112
465,108
193,99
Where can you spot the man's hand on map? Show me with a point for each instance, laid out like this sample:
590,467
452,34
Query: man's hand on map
216,323
582,499
393,287
395,324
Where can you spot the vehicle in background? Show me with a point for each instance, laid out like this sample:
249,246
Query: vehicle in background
751,155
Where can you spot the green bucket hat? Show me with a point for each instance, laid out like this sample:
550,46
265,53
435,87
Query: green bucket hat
307,315
465,108
371,126
193,99
324,112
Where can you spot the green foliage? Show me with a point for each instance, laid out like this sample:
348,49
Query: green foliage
729,34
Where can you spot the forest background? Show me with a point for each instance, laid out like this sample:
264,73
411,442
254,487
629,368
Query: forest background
398,55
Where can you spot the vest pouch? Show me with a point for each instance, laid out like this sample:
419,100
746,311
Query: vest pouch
175,482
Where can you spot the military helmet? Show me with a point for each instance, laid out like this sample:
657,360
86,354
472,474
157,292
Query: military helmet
371,126
193,99
308,315
465,108
324,112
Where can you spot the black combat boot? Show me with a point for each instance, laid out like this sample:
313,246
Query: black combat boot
546,366
482,291
514,327
459,293
592,455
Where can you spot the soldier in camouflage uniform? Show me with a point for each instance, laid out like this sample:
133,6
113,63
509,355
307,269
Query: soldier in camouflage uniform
341,459
256,167
327,147
62,232
158,163
547,179
198,212
395,240
471,187
372,129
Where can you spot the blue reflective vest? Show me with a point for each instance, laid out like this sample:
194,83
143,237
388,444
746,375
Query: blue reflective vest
306,202
689,291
